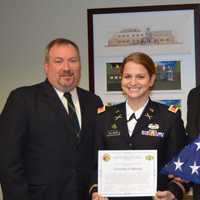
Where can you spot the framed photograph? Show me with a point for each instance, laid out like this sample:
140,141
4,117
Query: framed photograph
168,33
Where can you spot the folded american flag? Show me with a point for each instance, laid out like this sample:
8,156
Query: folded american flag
186,164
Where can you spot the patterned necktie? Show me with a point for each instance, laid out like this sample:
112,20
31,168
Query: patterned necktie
72,114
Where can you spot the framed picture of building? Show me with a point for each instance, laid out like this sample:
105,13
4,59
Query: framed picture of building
169,34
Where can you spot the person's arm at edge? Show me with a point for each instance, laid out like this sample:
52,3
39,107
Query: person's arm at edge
12,127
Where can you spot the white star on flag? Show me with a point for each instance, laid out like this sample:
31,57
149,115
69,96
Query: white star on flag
198,145
195,168
178,164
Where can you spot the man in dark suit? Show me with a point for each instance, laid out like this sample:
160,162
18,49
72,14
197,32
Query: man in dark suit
193,124
42,155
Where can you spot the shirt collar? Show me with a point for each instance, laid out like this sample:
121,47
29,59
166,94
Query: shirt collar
138,112
72,92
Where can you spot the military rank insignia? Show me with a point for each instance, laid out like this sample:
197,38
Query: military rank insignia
173,108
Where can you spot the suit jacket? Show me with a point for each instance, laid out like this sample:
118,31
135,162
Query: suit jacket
40,156
157,128
193,113
193,124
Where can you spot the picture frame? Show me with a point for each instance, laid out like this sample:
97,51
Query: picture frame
168,33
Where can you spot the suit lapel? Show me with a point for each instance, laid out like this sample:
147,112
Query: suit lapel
50,97
83,109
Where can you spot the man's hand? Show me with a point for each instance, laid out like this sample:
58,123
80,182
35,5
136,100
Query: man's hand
164,195
178,179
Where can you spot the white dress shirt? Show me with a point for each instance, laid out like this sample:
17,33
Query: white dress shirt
75,102
132,123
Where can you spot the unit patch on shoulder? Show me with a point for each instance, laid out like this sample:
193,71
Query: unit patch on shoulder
101,109
173,108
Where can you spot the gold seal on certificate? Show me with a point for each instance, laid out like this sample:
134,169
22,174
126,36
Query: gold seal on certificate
106,157
127,173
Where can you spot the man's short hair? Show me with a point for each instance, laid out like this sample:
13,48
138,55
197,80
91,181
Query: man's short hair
59,41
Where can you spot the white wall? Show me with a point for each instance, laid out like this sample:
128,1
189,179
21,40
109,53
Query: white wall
28,25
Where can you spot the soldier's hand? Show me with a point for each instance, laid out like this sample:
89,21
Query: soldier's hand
96,196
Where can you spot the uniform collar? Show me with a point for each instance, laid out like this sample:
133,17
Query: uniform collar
138,112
